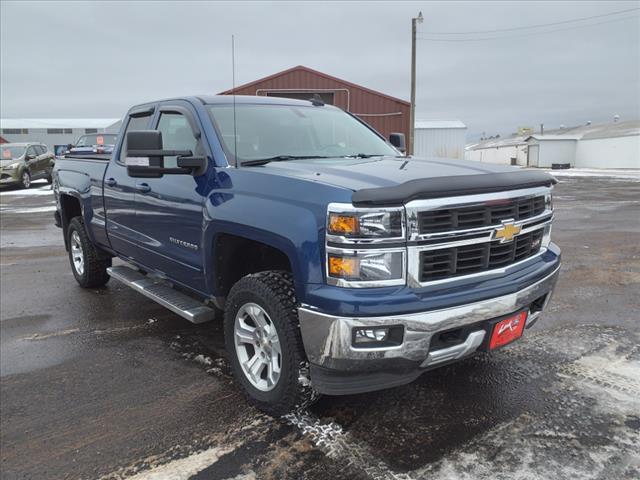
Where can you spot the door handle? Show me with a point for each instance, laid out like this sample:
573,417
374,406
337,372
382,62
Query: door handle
111,182
143,187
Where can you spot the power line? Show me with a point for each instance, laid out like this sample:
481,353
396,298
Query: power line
524,34
540,25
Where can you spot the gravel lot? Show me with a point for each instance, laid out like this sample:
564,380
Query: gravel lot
106,384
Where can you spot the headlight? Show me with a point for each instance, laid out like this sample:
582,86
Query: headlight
13,166
365,268
365,224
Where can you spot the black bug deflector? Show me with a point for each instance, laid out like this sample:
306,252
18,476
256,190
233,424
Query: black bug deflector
453,186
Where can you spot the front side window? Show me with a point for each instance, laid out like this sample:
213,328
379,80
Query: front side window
265,131
135,123
176,135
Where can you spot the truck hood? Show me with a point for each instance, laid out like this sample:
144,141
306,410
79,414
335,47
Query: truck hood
391,180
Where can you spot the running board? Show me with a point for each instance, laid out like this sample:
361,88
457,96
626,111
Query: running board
163,294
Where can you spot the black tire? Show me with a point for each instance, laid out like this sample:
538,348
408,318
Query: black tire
94,269
25,179
273,291
49,179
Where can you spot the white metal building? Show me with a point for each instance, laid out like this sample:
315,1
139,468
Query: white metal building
440,138
505,151
612,145
54,131
545,150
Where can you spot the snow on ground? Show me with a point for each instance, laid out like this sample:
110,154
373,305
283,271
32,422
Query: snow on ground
38,187
48,208
633,175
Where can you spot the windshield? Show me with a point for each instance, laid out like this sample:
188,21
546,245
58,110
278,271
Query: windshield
9,152
267,131
96,139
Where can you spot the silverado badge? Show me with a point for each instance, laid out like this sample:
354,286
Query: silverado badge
506,232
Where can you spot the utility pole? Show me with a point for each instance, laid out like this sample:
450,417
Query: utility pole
412,111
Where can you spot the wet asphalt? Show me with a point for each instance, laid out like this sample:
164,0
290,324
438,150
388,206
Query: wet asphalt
105,383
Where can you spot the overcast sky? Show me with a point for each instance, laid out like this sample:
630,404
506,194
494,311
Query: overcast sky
96,59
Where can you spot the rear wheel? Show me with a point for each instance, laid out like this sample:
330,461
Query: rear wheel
264,345
25,179
88,266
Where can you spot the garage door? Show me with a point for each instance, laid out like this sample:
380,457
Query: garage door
532,155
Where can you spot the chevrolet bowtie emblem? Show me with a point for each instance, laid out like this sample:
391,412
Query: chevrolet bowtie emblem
506,232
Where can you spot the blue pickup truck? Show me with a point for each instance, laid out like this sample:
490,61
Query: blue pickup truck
341,265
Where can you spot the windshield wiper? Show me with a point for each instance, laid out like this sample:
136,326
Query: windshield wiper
363,155
279,158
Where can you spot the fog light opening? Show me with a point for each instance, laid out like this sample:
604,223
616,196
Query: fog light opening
376,337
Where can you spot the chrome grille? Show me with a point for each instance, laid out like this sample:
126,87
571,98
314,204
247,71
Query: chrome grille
478,257
462,218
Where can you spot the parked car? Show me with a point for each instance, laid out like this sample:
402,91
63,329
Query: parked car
92,143
21,163
341,265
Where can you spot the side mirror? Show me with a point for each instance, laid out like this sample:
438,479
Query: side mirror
145,157
398,141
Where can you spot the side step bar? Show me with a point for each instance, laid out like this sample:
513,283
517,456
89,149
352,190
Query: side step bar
166,296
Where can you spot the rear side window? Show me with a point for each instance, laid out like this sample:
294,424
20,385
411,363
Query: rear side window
135,123
41,149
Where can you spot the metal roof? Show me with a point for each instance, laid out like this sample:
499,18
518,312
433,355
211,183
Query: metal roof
581,132
303,69
57,122
439,124
553,137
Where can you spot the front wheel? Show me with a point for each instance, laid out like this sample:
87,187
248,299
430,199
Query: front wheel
264,345
25,179
88,266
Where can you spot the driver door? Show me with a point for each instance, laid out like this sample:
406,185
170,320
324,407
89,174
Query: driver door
169,209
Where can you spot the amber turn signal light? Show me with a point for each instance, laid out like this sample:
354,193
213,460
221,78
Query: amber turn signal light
342,267
340,224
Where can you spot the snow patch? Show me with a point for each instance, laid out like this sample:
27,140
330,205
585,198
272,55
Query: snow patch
184,468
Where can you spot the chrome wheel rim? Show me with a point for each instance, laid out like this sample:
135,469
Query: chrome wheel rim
257,347
26,180
76,253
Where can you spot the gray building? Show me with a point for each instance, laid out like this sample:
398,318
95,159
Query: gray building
54,131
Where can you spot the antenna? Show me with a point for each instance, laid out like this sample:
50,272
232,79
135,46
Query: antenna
233,81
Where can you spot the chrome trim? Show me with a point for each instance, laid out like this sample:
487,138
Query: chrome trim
470,345
327,338
413,273
490,237
349,208
486,229
354,251
416,206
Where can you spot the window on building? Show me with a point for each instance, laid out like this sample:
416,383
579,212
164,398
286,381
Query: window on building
15,131
67,130
90,130
54,131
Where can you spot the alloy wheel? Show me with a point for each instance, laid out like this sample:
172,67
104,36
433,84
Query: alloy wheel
257,347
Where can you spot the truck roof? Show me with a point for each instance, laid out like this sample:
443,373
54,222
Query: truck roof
226,99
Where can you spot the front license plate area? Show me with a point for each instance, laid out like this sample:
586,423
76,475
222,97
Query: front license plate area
507,330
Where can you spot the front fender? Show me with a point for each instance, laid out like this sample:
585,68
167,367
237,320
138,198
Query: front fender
284,213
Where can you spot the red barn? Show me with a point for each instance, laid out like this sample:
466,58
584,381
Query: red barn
384,113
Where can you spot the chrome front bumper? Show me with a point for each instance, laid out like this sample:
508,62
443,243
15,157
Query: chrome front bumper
328,339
